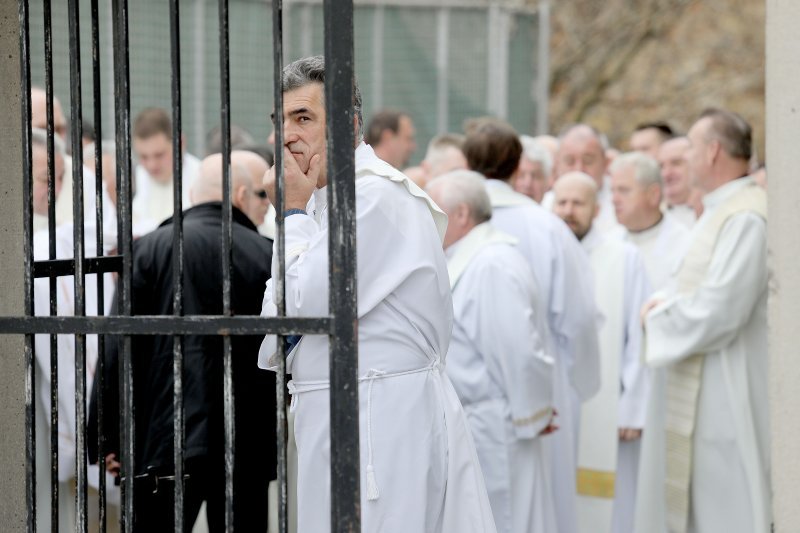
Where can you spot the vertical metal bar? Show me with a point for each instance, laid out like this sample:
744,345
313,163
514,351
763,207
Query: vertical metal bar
177,263
123,145
199,85
282,432
442,62
378,63
344,421
543,70
27,236
51,228
100,278
76,123
227,258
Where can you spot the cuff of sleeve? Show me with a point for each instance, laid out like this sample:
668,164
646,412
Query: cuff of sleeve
530,427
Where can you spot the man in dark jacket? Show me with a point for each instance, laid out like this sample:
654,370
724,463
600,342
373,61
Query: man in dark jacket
152,356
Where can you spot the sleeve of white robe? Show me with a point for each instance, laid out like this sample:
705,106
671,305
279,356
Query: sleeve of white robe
710,318
382,221
576,324
635,376
506,328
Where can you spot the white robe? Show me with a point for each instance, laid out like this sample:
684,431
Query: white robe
419,469
66,381
501,371
726,319
64,207
153,202
683,213
661,247
560,266
621,288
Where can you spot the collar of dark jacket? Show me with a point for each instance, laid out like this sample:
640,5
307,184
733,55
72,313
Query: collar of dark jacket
214,210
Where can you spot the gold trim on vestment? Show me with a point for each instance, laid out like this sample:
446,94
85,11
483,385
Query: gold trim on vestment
596,483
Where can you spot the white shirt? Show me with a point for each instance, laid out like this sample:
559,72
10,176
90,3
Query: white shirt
153,202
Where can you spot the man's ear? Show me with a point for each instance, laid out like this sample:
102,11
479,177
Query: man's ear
596,210
713,150
183,144
654,194
238,196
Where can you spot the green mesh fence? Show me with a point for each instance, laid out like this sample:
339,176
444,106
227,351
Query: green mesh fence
434,62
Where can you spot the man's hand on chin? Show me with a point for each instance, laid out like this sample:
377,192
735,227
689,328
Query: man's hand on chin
298,185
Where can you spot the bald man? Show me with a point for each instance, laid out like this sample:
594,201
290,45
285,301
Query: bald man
583,149
254,201
612,421
254,399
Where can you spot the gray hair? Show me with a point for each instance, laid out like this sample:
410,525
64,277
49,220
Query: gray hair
465,187
602,138
537,153
646,168
39,138
732,131
312,70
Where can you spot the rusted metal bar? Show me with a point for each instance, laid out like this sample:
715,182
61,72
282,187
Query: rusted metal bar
27,237
166,325
51,229
227,257
282,432
179,433
66,267
79,296
98,170
119,10
344,417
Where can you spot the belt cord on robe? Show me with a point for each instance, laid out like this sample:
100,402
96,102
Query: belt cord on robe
299,387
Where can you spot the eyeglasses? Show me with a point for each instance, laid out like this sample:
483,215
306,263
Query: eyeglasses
261,194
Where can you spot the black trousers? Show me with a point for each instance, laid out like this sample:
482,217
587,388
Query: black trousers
154,509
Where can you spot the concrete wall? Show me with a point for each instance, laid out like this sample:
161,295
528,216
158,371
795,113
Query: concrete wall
783,132
12,369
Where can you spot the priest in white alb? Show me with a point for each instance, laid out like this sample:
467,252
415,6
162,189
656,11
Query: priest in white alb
708,329
493,149
498,359
637,193
63,239
419,469
636,184
612,421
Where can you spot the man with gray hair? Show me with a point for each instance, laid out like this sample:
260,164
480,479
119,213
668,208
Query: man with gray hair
637,192
419,469
708,330
498,358
444,155
535,167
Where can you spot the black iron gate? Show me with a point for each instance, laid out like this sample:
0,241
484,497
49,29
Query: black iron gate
341,325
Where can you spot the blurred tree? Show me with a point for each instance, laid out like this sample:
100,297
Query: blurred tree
618,63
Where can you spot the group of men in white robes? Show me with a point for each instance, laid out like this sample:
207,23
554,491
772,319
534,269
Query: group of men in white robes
64,305
493,149
498,358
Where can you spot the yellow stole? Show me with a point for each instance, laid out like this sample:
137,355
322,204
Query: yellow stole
684,378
